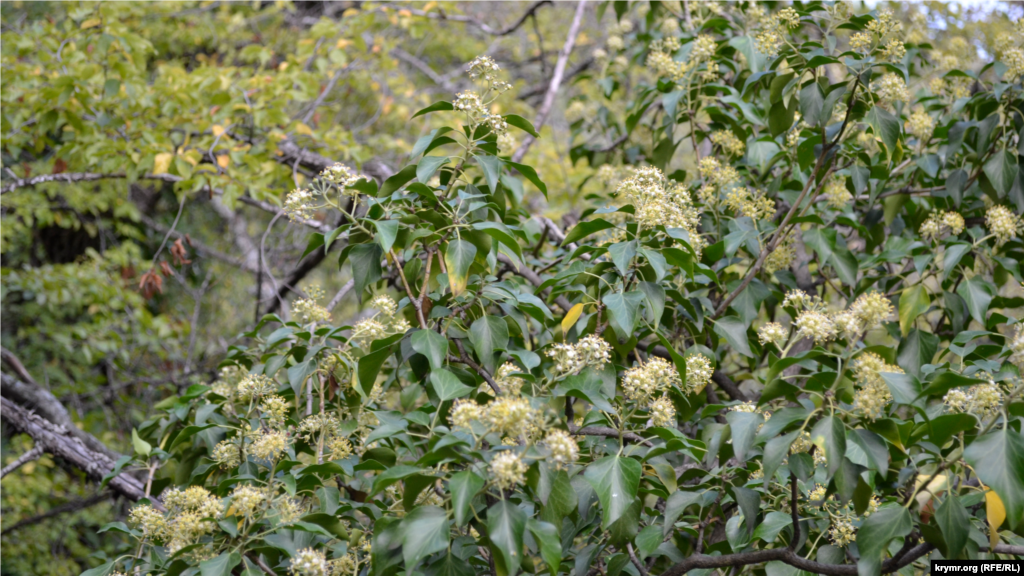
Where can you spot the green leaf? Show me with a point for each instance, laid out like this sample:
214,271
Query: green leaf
743,426
775,451
811,103
392,475
221,565
428,166
387,231
875,534
365,262
829,434
530,175
501,233
676,504
916,350
648,541
521,123
463,487
458,258
505,526
954,521
435,107
488,334
998,460
735,333
622,254
369,368
773,523
491,166
584,229
447,385
780,118
954,252
914,301
749,502
615,480
622,311
550,542
424,531
142,448
1001,169
905,388
654,300
977,293
101,570
432,345
396,181
328,522
885,126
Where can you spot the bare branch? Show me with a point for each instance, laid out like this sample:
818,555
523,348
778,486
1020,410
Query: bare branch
59,441
440,15
423,67
69,177
25,458
556,80
68,507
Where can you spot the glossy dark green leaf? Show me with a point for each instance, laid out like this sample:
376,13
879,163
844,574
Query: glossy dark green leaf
521,123
734,330
615,480
549,541
622,311
744,427
221,565
955,522
428,165
432,345
365,261
491,165
977,293
998,460
463,486
447,386
885,126
505,526
584,229
1001,169
488,334
424,531
876,532
829,434
458,258
435,107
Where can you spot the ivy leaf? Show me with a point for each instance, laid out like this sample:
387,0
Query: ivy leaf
977,293
387,231
678,502
142,448
875,534
505,526
369,368
396,181
584,229
365,262
654,301
531,175
435,107
491,165
550,542
734,331
811,103
447,385
622,311
1001,169
743,426
432,345
829,435
998,460
571,317
424,531
221,565
914,301
954,521
488,334
916,350
458,258
428,166
749,502
775,451
521,123
615,480
622,254
463,487
886,127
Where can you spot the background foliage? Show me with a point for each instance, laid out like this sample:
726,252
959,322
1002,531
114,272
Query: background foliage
153,283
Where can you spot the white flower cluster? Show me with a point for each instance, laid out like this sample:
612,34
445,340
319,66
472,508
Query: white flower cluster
571,358
1016,345
982,400
486,69
649,379
253,386
270,445
872,394
508,469
698,373
510,385
772,333
814,321
659,202
309,562
1003,224
772,36
183,524
384,323
938,224
564,450
891,88
308,309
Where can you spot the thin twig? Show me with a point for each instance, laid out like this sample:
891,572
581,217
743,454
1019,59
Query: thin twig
25,458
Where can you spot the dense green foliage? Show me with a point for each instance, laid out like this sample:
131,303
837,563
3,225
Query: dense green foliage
783,335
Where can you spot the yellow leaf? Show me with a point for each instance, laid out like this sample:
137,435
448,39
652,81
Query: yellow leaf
91,23
427,7
303,129
571,317
217,129
996,513
342,43
162,162
223,160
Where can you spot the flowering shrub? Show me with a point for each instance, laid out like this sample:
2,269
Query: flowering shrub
802,354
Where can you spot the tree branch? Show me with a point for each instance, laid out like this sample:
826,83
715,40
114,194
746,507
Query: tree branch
556,80
73,506
69,177
29,456
470,20
61,442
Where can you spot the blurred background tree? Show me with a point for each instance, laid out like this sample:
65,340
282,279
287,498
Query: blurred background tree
147,149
